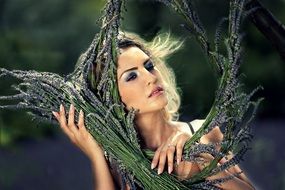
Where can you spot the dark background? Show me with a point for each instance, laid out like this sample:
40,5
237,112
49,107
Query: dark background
50,35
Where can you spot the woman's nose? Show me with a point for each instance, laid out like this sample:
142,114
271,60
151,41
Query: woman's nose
150,78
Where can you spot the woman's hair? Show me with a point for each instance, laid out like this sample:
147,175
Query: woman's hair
159,49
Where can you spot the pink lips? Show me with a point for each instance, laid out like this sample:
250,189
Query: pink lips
156,91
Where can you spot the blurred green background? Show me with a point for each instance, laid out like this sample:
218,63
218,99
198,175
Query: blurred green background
50,35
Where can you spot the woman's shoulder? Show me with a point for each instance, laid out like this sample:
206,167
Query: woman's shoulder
215,135
182,126
188,127
197,124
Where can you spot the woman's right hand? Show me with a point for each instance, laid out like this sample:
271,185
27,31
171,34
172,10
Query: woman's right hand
77,133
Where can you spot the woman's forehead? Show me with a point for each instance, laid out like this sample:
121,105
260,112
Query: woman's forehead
131,56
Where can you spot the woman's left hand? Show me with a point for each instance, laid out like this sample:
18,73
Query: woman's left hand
165,153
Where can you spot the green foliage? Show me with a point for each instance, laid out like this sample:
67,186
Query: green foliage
34,36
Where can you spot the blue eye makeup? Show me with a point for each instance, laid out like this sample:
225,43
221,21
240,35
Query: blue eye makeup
131,76
149,65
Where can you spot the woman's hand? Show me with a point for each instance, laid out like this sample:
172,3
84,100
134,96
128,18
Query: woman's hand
77,133
165,153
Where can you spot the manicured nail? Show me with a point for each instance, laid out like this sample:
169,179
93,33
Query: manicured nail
152,165
169,169
71,107
159,171
54,113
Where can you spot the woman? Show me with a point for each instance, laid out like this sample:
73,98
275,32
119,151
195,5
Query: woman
145,83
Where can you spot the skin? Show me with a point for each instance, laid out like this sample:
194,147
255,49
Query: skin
137,77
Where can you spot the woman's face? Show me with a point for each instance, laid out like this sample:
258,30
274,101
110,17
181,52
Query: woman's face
139,81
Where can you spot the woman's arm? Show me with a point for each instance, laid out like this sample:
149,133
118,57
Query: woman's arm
238,182
236,169
83,139
235,183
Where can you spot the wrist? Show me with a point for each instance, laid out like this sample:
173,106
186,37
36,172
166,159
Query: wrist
96,155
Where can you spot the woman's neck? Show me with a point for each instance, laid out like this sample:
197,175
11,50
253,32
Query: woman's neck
153,129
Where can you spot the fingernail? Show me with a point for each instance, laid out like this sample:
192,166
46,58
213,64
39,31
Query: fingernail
159,171
71,107
178,162
54,113
81,112
169,169
152,166
61,107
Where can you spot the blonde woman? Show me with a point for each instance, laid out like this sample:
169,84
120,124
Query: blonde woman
147,84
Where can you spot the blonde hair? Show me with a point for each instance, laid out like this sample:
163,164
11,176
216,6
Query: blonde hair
159,49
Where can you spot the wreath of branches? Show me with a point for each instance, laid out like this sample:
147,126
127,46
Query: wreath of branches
92,88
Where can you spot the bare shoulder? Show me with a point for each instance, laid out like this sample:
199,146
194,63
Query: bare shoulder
182,126
215,135
197,124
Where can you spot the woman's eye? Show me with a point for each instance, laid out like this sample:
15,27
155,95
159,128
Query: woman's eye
149,66
131,76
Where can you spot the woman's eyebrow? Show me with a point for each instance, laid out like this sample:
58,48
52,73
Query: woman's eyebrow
134,68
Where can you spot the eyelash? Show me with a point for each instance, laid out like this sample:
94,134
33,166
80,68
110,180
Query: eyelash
148,66
131,76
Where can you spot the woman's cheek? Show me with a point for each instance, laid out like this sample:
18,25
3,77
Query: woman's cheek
129,97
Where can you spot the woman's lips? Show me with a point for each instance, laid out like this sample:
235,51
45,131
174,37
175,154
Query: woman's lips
156,92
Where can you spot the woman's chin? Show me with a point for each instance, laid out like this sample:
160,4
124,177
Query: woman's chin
154,107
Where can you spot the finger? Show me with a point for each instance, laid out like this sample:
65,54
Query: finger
71,115
58,118
170,158
179,150
62,119
155,158
223,160
186,169
81,120
71,124
179,168
62,122
207,158
56,115
162,160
